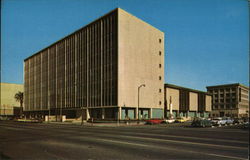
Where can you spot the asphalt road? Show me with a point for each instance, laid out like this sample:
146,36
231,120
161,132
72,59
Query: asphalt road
58,141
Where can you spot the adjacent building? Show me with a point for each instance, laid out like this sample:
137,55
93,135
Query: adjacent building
8,104
113,68
231,100
186,102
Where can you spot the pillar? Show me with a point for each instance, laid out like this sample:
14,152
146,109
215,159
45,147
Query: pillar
150,113
87,114
103,113
136,113
119,113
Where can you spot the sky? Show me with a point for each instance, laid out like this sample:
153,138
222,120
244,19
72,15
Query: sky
206,41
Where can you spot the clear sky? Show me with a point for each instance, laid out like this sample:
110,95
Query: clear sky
206,41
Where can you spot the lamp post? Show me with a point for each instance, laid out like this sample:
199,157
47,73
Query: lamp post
142,85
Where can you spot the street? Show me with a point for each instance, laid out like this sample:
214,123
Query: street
20,140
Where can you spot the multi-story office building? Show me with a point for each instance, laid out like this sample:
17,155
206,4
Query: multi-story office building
108,69
231,100
186,102
8,104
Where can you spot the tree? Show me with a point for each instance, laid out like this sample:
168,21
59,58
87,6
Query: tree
19,98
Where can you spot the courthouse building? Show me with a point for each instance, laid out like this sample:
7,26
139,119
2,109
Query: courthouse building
98,71
231,100
186,102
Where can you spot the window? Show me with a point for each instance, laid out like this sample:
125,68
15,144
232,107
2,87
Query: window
159,77
159,65
159,40
159,102
159,90
159,52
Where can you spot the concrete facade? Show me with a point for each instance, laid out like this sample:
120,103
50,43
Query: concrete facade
141,61
187,102
96,71
231,100
7,100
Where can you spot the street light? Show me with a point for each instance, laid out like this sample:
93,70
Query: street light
142,85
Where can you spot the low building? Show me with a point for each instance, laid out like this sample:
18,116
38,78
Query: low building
9,106
231,100
186,102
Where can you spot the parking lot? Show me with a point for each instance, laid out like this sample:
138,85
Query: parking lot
172,141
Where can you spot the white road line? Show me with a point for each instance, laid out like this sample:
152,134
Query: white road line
186,142
185,137
172,149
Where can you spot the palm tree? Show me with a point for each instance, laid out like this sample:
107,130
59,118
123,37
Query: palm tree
19,98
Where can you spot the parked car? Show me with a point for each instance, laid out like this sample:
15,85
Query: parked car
228,120
201,123
218,121
168,120
238,120
180,120
153,121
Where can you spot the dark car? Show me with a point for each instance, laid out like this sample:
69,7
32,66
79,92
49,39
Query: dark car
238,121
201,123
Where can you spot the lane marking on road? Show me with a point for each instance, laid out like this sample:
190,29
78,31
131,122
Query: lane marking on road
186,142
185,137
164,148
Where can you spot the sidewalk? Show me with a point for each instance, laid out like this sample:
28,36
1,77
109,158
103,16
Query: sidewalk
100,124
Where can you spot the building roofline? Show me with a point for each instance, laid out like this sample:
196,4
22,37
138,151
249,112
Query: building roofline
226,85
141,20
180,87
78,30
11,83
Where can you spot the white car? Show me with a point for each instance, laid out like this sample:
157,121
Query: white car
169,120
218,121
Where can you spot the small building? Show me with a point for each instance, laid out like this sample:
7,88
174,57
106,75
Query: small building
8,104
230,100
186,102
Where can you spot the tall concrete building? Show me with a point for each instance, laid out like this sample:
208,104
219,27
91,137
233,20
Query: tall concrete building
8,103
106,70
231,100
186,102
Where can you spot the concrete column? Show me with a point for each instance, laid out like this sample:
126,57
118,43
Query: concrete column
103,113
87,114
136,113
119,113
150,113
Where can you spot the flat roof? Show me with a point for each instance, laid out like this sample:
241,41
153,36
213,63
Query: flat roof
78,30
227,85
72,33
11,83
180,87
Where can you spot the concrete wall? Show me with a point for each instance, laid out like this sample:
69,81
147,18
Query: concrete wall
174,93
138,62
193,101
7,101
208,103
